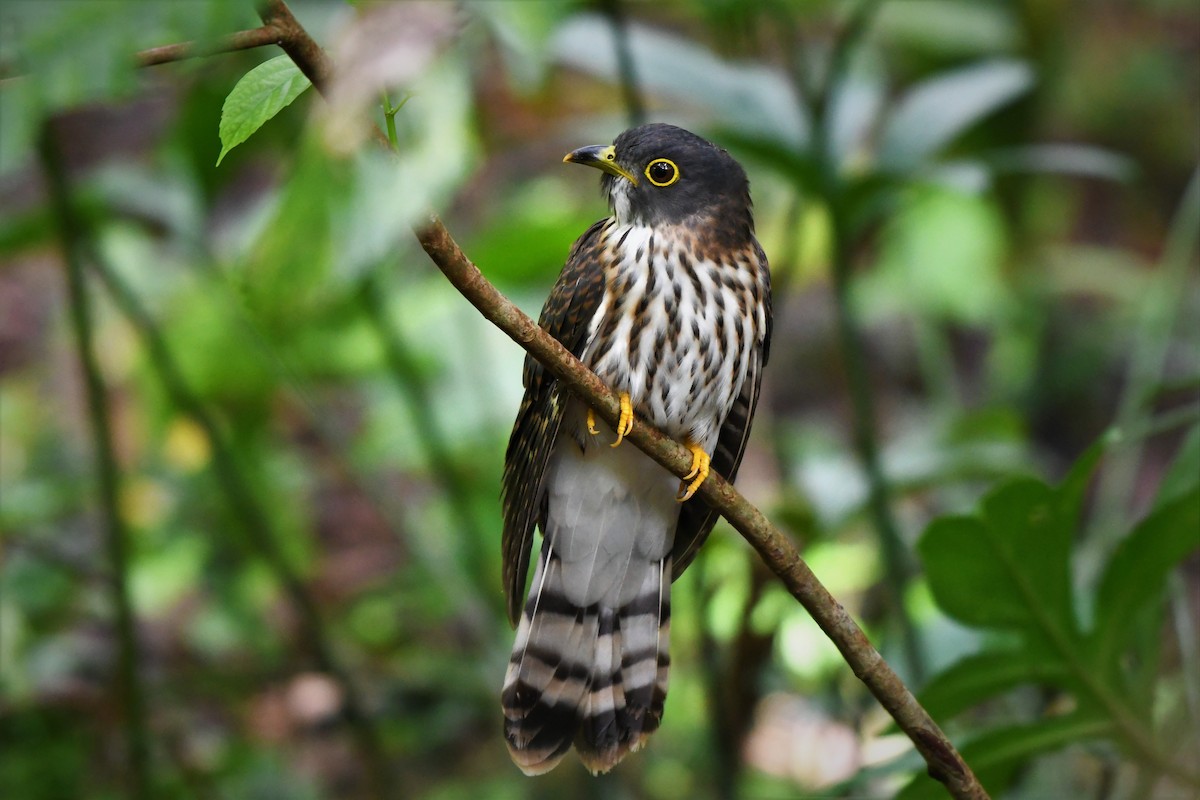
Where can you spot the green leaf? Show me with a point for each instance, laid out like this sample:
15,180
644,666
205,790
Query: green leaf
1074,486
748,98
1007,567
982,676
286,274
996,755
949,28
1064,159
935,112
261,94
942,256
1136,575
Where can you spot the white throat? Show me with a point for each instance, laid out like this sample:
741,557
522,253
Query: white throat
618,198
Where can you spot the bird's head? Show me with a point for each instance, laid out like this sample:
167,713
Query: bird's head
658,174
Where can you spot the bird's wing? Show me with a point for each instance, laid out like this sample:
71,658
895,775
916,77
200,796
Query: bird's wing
566,316
696,519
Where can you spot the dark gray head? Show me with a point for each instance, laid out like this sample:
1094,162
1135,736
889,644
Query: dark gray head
660,175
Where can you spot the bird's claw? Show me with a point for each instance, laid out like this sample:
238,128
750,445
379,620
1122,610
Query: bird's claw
591,422
691,482
625,422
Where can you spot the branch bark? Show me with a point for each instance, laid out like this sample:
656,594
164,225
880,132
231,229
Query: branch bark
242,40
773,546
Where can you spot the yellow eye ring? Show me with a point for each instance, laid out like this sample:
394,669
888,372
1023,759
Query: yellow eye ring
659,176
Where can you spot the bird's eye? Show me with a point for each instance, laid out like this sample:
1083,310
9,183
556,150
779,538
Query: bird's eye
662,172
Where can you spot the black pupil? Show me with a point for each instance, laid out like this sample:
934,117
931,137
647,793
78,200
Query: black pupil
661,171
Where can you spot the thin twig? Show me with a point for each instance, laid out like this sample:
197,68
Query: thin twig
631,92
849,329
775,548
79,569
1158,309
129,686
242,40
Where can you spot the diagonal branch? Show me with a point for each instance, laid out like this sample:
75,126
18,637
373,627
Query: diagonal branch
772,545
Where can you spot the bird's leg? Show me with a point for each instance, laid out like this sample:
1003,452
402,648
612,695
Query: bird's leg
700,461
625,423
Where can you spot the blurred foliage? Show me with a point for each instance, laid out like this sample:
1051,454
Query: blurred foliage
1014,185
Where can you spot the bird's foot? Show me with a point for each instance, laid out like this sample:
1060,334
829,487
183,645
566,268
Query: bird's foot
625,423
691,482
591,422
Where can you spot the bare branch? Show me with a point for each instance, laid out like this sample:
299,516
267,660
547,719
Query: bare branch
296,42
772,545
242,40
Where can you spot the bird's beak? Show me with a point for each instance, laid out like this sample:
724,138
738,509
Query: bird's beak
602,157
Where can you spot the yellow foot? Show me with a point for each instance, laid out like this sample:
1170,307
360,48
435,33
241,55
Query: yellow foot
625,423
699,472
591,422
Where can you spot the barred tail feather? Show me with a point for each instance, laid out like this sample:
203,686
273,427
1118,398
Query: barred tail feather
629,682
544,683
594,676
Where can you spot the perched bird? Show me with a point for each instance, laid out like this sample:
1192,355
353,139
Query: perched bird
668,302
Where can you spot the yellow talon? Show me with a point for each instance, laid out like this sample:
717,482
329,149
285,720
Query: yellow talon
700,461
625,423
591,422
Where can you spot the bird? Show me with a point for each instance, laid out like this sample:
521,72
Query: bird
668,301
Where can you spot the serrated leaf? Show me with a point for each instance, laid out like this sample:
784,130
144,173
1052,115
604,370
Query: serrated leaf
1137,572
996,755
936,111
1008,566
980,677
261,94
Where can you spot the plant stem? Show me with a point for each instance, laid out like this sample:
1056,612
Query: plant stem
635,107
895,558
850,336
1184,620
725,760
129,687
415,391
256,526
1160,307
389,119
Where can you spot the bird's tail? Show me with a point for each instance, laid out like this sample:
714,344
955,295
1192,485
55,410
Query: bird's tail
594,676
